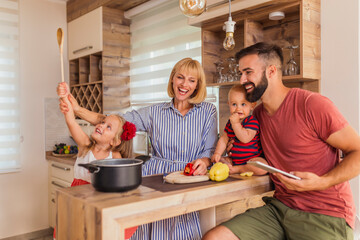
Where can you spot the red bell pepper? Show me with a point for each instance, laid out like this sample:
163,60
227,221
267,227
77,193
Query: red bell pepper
189,171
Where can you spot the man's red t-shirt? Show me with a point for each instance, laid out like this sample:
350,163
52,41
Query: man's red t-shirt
294,139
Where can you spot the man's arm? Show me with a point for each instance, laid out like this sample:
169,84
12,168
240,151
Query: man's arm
346,140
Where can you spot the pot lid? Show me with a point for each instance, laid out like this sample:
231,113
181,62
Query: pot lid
119,162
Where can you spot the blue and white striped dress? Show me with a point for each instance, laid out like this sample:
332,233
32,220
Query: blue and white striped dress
176,140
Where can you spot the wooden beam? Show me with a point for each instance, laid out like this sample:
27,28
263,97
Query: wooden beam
77,8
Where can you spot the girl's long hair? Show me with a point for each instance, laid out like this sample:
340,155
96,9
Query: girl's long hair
126,147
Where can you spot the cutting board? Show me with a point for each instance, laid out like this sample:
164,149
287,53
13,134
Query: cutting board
180,178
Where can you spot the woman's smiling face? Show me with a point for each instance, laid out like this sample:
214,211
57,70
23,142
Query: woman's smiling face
184,85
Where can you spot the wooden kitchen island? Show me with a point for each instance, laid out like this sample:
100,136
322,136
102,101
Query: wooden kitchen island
84,213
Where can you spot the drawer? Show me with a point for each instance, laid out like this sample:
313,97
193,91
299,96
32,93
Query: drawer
62,171
56,183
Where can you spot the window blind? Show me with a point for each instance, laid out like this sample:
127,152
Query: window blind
160,37
9,86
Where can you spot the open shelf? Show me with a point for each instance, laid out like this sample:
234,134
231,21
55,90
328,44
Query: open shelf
300,27
86,81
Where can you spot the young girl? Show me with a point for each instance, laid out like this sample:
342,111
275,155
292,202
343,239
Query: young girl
244,128
112,138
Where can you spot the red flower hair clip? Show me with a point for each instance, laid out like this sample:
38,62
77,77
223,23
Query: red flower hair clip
129,131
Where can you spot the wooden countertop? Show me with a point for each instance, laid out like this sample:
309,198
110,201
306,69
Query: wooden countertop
84,213
65,160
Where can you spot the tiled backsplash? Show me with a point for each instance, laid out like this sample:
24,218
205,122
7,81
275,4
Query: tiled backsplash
56,130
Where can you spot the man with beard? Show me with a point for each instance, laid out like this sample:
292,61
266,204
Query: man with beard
301,132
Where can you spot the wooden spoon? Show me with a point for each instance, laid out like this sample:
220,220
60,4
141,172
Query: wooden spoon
60,39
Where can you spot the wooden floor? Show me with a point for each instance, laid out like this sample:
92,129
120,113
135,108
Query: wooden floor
46,234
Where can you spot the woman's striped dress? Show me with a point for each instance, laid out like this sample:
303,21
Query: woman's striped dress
175,140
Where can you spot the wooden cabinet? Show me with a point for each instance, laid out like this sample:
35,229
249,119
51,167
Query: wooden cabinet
61,175
99,75
85,34
300,27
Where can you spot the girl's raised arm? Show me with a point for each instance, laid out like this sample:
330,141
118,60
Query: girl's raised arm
79,136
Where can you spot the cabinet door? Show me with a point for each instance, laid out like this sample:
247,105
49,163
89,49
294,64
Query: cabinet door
85,34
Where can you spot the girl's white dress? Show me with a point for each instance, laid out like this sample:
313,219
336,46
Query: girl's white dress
81,172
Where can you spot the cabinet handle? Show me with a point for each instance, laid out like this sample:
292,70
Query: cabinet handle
59,167
53,200
82,49
58,184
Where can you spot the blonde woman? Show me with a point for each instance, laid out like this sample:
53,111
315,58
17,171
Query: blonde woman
182,130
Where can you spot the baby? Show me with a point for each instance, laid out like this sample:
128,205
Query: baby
244,129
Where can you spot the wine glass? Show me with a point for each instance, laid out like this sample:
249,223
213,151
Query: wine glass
291,67
219,77
231,74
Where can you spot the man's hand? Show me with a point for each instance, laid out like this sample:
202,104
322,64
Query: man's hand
229,146
309,181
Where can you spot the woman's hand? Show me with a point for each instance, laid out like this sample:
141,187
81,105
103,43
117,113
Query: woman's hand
200,165
64,108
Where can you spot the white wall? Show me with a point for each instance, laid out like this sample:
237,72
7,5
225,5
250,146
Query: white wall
340,63
23,197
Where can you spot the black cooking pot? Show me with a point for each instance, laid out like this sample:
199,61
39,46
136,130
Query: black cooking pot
115,175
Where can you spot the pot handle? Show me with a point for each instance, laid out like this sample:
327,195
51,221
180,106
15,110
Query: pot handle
92,168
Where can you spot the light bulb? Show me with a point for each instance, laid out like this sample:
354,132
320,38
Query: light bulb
229,42
192,8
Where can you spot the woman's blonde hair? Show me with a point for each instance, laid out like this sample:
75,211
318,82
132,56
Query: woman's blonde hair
125,147
189,65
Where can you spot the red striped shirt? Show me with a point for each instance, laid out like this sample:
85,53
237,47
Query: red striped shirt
243,152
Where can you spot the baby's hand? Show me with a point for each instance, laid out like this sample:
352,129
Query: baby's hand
63,89
215,158
235,118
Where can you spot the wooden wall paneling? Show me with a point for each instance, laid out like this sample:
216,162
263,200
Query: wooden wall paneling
211,47
116,60
123,4
253,32
77,8
224,111
311,39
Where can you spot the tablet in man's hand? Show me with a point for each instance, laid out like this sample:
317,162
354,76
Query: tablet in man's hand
271,169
